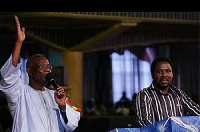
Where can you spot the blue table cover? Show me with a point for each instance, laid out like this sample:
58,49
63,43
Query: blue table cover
172,124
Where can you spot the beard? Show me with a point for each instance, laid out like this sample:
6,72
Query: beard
162,85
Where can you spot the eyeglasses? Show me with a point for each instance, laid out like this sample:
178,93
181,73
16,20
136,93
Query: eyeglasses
43,66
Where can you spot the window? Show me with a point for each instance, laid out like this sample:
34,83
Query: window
129,74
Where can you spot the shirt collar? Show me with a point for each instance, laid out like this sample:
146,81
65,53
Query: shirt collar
154,86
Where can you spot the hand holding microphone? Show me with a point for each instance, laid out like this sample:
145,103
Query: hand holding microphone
50,80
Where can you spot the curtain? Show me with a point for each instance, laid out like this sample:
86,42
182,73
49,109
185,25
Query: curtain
130,73
97,78
186,59
100,84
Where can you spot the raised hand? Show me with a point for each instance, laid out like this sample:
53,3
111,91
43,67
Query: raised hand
20,32
20,37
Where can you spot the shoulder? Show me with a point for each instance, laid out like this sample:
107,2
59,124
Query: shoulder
146,91
175,89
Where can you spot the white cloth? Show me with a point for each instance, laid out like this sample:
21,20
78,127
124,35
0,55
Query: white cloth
33,110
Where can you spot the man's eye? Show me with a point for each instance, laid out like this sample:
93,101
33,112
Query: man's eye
41,67
168,71
158,71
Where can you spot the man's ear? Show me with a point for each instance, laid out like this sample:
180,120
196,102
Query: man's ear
29,71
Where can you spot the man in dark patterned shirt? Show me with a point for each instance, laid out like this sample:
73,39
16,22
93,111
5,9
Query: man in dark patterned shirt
162,99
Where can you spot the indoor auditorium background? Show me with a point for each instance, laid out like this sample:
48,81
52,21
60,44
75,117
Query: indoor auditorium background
104,58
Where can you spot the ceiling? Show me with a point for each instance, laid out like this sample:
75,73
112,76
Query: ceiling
94,31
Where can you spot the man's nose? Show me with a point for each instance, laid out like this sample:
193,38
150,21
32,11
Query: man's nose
164,73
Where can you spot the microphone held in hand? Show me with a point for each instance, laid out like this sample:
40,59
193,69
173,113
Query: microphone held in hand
50,80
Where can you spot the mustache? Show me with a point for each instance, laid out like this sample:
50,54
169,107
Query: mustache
164,78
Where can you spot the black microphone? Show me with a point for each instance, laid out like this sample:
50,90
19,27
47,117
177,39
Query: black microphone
50,80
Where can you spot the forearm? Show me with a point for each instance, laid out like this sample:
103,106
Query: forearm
191,107
143,110
70,118
16,53
143,118
64,116
63,113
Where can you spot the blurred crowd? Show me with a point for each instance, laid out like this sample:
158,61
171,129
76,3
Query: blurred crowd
124,107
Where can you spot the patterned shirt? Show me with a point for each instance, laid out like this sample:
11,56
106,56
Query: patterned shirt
152,105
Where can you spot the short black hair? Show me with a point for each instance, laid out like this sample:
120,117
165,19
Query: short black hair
161,59
32,58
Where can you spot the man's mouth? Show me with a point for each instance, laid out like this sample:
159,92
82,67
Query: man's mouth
164,81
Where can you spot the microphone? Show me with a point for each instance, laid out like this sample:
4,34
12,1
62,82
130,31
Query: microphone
50,80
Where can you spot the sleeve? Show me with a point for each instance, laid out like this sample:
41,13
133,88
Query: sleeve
191,108
8,71
73,117
10,75
144,115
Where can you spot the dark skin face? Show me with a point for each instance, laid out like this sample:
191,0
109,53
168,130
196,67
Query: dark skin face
37,72
163,76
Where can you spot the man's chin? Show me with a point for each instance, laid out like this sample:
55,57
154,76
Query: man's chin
164,85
